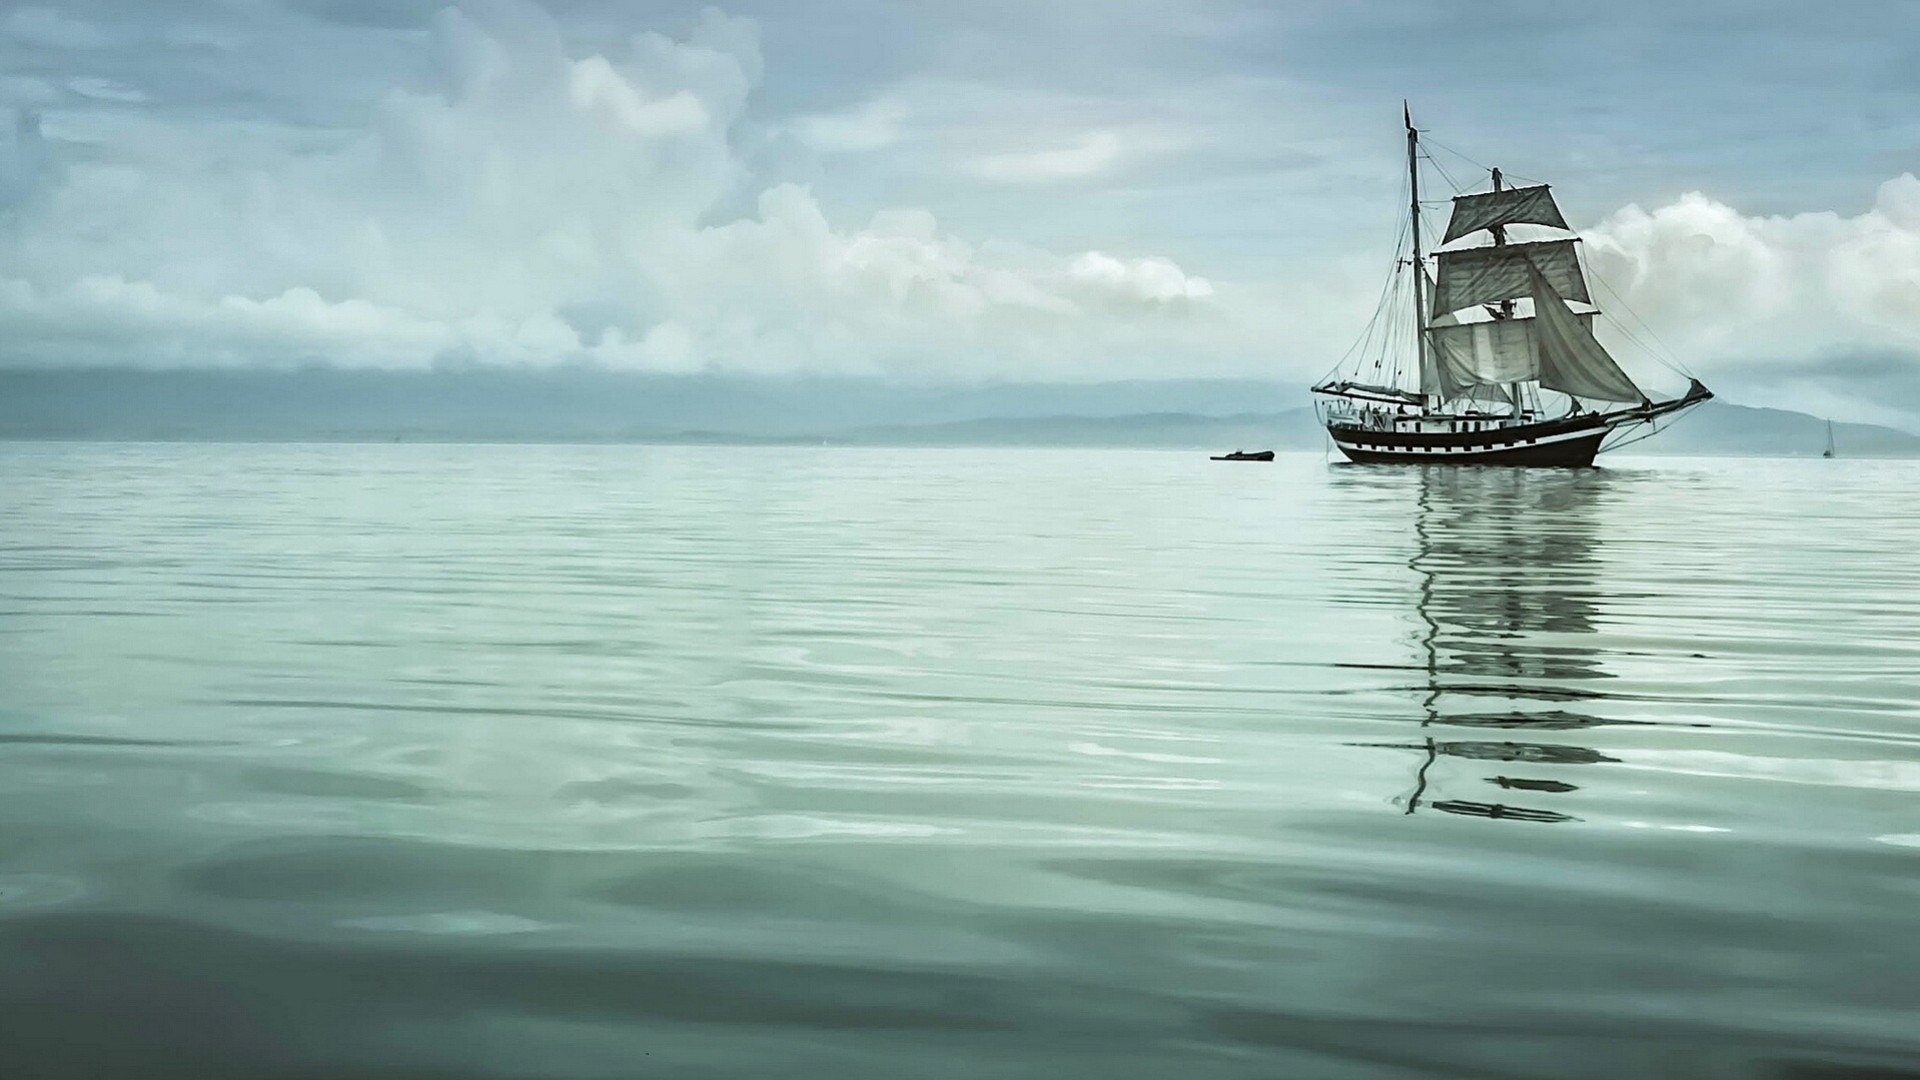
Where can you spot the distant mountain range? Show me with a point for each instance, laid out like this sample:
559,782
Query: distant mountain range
564,404
326,404
1716,428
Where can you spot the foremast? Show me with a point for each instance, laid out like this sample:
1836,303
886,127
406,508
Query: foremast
1428,387
1499,234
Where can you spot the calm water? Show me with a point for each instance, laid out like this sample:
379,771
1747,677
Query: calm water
501,761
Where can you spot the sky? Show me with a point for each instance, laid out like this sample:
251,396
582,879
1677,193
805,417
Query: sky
989,192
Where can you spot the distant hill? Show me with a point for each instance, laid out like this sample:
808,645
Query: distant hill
1716,428
1295,429
1720,428
507,405
565,404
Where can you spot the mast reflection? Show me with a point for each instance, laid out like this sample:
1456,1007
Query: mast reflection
1506,608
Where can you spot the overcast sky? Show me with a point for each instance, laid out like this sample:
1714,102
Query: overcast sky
991,190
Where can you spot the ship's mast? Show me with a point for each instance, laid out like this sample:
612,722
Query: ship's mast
1419,260
1506,306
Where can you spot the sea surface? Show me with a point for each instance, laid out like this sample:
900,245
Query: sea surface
429,761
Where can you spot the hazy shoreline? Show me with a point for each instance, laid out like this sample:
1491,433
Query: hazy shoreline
592,406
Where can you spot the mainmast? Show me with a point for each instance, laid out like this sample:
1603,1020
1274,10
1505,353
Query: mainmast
1419,259
1500,240
1506,306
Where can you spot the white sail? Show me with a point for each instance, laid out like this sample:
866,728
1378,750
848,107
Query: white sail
1488,395
1493,209
1571,360
1431,383
1472,357
1485,275
1484,354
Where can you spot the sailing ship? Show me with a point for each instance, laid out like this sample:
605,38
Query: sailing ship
1828,452
1502,366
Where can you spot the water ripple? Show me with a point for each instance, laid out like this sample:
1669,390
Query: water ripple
518,761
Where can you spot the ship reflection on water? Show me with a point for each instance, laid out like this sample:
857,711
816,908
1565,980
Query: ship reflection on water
1508,589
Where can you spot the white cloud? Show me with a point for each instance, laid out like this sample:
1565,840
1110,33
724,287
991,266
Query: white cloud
1728,290
874,125
594,86
1156,280
521,202
1091,154
106,90
533,207
96,318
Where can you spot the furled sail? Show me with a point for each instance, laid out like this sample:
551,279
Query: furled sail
1493,209
1485,275
1571,360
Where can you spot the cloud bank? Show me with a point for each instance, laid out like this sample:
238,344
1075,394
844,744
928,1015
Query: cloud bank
528,206
535,192
1722,282
1816,308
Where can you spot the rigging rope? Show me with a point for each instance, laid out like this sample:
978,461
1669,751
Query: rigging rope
1366,333
1444,174
1428,140
1671,360
1653,427
1362,345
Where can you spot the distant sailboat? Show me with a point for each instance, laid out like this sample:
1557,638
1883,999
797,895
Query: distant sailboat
1485,381
1828,452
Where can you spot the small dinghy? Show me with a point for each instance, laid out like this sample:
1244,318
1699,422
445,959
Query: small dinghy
1242,455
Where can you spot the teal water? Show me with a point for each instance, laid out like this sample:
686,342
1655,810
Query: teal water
521,761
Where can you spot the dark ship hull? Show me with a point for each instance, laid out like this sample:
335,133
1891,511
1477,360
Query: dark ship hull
1567,443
